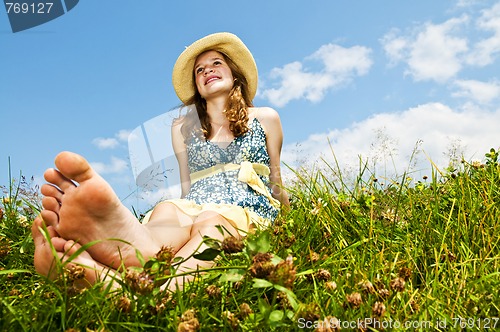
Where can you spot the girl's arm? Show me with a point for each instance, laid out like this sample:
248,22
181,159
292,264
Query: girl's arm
271,122
181,154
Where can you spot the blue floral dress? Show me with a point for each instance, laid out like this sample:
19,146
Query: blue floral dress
224,187
232,181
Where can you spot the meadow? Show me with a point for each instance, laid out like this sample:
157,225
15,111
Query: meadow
363,253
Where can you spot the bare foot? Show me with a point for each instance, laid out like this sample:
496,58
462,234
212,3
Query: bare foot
45,263
49,259
80,205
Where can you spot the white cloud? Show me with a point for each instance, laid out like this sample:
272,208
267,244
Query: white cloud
395,47
468,3
105,143
112,142
432,52
485,50
478,91
438,52
339,65
117,165
344,62
387,140
123,135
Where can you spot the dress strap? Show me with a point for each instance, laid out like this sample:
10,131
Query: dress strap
248,173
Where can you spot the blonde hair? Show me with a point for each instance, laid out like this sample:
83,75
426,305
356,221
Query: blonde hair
236,109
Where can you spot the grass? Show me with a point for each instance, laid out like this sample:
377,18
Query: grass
365,255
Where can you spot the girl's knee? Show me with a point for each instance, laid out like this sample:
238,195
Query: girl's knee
208,222
167,212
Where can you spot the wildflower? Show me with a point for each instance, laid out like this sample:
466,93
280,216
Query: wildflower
165,254
282,299
383,293
23,221
414,305
75,272
231,319
123,304
323,275
213,291
367,287
162,305
289,240
477,164
378,309
139,282
405,273
232,245
397,284
284,273
5,200
14,292
245,310
344,205
448,256
390,215
318,206
262,265
425,177
330,286
189,322
354,299
4,247
313,257
309,312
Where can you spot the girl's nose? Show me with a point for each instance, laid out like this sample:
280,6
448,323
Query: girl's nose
208,70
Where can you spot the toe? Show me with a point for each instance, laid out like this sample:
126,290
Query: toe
49,190
73,166
36,234
58,243
71,247
58,179
36,231
52,204
50,218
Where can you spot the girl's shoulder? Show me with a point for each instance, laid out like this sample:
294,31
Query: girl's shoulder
267,116
263,114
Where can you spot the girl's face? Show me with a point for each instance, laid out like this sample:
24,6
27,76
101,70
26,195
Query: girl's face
212,74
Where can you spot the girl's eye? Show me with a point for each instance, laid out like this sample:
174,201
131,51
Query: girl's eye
199,70
217,62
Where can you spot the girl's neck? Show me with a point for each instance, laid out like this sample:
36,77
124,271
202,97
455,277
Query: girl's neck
215,110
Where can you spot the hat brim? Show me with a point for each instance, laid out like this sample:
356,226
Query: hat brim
224,42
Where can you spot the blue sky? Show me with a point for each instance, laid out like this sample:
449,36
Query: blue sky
373,78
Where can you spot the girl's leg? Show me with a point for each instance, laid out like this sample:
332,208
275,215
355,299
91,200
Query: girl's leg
204,225
169,226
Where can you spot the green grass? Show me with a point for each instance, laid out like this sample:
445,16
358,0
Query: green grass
421,253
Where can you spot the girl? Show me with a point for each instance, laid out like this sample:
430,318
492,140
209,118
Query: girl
229,157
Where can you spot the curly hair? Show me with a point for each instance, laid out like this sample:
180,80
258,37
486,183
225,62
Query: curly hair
236,109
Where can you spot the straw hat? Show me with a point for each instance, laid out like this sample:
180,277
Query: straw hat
224,42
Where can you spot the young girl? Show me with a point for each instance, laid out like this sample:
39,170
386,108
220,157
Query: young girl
229,158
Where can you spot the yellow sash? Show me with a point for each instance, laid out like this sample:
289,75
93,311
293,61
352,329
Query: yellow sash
248,174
